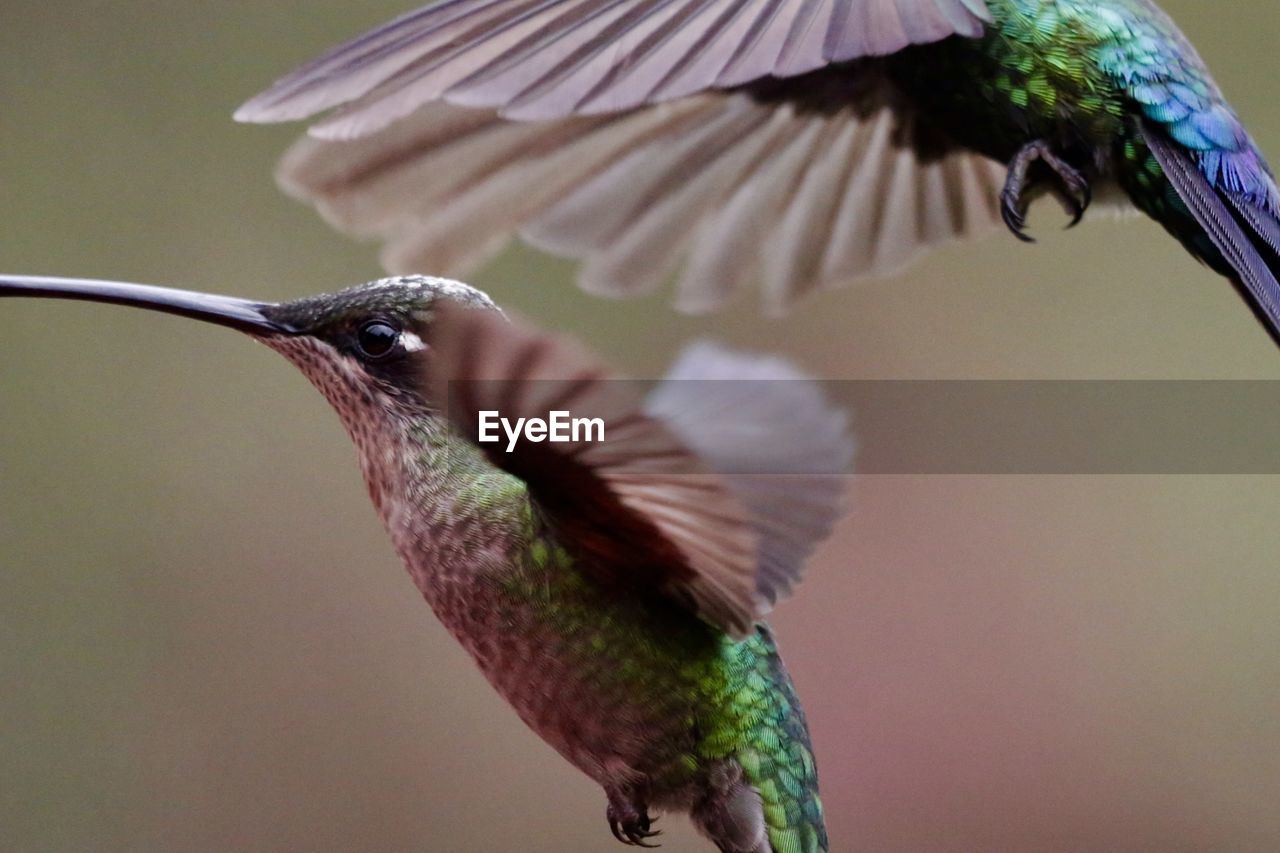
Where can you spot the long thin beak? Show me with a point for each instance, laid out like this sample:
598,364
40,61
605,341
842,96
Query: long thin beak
242,314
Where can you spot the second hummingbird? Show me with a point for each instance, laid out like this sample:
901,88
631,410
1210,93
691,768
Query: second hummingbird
803,143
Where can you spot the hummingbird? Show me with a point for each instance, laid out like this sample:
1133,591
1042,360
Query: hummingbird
610,587
800,143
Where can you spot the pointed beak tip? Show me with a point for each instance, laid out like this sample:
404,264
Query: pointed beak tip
241,314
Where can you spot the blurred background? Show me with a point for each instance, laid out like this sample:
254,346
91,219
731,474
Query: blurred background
206,642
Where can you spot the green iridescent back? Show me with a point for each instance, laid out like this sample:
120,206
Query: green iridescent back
1085,75
765,730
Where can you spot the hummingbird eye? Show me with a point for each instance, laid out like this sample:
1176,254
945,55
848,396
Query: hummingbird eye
377,338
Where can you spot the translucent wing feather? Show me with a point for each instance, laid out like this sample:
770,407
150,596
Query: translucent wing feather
713,490
640,507
783,449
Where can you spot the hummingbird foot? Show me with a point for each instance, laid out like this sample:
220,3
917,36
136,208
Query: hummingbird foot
1075,191
629,820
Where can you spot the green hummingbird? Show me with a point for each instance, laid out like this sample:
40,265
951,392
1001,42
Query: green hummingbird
611,586
803,143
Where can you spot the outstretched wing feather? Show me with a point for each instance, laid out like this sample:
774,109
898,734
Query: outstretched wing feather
542,59
739,188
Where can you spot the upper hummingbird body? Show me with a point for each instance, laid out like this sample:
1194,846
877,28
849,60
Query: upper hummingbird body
800,143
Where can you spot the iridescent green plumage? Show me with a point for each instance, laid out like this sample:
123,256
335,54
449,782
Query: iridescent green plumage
1102,82
701,703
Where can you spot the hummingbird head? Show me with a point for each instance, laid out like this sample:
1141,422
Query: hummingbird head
361,347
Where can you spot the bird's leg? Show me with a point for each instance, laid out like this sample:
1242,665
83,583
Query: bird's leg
628,815
1013,202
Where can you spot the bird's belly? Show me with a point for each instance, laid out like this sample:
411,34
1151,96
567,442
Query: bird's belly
613,686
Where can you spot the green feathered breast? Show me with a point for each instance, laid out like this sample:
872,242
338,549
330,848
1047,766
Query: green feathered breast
667,695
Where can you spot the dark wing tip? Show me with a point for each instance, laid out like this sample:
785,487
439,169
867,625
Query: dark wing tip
1247,237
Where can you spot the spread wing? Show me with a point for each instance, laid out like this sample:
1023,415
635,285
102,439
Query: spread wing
668,498
671,137
540,59
720,191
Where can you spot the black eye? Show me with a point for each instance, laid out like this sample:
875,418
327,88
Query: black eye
377,338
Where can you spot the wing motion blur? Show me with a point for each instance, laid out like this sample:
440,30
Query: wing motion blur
716,514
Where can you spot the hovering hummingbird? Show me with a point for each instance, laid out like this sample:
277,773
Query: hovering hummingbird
611,590
803,142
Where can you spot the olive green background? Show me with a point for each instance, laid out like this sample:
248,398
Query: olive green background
206,642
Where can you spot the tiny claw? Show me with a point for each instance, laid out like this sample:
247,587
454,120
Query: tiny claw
1014,218
1077,214
1075,191
638,839
631,825
1080,200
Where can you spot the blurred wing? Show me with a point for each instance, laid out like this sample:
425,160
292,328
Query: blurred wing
739,189
640,506
783,449
540,59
